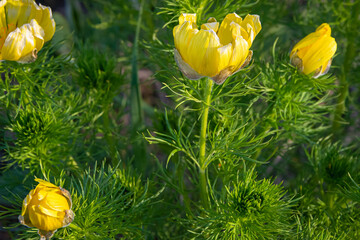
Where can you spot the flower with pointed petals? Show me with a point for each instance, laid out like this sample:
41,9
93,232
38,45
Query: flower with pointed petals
314,53
216,50
47,207
24,28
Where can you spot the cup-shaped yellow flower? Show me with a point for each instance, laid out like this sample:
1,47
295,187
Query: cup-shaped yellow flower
47,207
216,50
314,53
24,27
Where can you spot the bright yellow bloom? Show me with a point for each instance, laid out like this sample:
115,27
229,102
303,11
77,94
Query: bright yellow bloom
216,50
47,207
313,54
24,27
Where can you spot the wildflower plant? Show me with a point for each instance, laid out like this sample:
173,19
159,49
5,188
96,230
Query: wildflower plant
319,45
47,207
180,119
249,209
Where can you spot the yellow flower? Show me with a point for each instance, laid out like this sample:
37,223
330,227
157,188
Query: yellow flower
47,207
24,27
216,50
313,54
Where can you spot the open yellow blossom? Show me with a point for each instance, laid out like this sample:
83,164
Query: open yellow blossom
24,27
314,53
216,50
47,207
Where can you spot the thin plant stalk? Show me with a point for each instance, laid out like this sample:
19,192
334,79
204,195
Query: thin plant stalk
136,111
136,103
108,136
180,172
349,57
202,143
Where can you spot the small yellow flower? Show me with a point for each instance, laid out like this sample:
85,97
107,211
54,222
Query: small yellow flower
216,50
314,53
47,207
24,27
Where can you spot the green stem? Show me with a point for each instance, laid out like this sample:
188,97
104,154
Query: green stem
340,106
108,136
136,109
202,143
136,101
203,189
349,57
259,150
187,204
180,172
186,200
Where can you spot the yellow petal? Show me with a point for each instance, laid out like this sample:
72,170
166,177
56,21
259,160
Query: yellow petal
304,44
240,52
44,221
38,33
18,44
183,35
45,183
325,67
253,21
191,17
43,189
50,212
185,68
212,25
225,30
41,193
24,13
237,30
246,62
201,52
36,12
3,24
47,23
217,58
12,11
252,26
222,58
56,201
319,53
26,202
324,29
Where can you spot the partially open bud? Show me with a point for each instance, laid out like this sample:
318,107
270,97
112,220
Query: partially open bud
314,53
47,207
216,50
24,28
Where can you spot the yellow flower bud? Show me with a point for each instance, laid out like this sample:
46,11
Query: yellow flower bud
47,207
314,53
216,50
24,27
